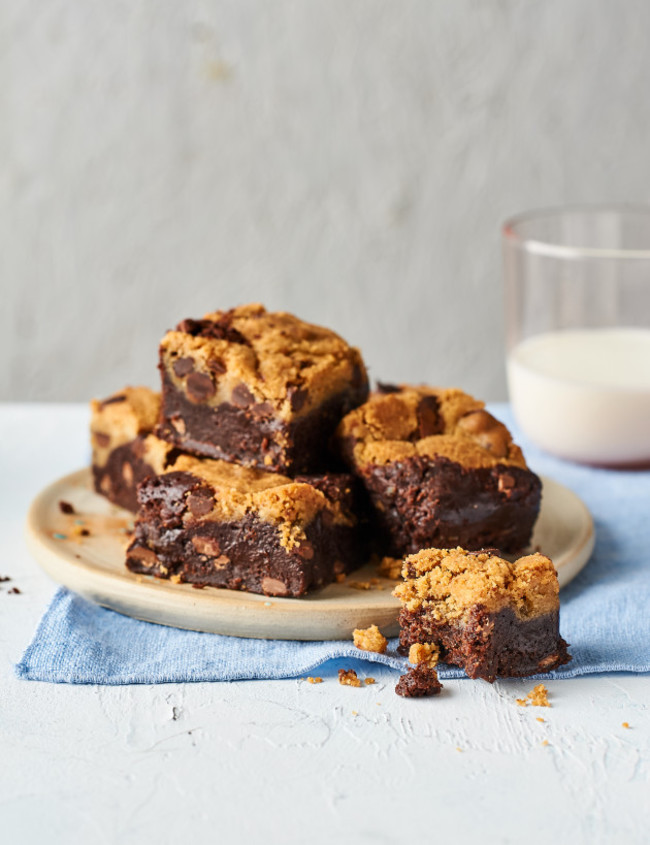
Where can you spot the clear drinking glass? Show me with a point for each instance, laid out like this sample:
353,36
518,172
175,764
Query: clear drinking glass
577,290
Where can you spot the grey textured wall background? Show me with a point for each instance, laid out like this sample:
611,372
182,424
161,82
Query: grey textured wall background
349,160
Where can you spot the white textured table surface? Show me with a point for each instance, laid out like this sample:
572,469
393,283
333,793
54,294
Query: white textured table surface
287,761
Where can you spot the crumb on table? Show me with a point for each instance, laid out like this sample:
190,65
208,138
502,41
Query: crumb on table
369,681
625,724
348,678
537,697
314,680
370,639
371,584
419,681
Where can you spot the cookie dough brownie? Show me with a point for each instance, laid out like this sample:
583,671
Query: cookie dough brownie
486,615
223,525
124,452
440,471
257,388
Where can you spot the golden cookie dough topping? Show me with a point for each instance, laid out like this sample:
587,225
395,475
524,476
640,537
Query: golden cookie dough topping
424,653
448,583
370,639
253,356
121,418
430,422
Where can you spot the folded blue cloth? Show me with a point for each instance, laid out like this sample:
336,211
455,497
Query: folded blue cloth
604,616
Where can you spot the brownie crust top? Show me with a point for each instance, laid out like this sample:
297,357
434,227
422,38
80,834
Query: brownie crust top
252,356
118,420
425,421
448,583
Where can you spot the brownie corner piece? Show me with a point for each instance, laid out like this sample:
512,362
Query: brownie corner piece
261,389
212,523
486,615
124,451
440,471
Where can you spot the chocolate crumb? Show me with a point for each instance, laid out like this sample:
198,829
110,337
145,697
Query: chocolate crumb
15,591
4,578
419,681
66,507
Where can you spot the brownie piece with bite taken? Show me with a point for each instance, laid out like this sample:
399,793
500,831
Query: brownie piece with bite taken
486,615
260,389
213,523
124,450
440,471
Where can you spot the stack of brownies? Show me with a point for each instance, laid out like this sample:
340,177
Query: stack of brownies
264,465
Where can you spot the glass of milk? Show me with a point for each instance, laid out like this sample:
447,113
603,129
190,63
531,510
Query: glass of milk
577,286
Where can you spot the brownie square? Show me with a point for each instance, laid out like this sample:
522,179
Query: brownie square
261,389
215,523
124,451
490,617
440,471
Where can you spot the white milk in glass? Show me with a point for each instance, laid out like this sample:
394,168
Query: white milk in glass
584,394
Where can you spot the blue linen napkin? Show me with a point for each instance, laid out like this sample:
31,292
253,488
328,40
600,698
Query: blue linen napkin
605,613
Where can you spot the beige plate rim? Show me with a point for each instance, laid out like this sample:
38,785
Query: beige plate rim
94,568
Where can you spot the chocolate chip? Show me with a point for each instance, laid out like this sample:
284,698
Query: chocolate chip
382,387
306,550
262,409
178,424
297,397
428,417
113,400
66,507
138,448
207,546
220,329
101,439
505,483
183,366
14,591
172,456
274,587
200,502
242,397
200,387
144,556
216,365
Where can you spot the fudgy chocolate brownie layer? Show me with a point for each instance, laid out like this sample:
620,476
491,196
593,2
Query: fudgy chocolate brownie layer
490,645
119,477
174,539
424,501
251,434
124,451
